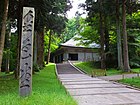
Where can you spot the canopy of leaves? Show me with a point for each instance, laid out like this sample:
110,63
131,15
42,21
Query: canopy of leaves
91,29
70,30
133,24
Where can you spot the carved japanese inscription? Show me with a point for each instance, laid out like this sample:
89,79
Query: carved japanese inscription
25,82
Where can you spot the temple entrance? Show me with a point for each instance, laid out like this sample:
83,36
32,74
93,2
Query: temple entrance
73,57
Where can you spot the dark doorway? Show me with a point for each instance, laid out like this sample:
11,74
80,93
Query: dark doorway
61,58
73,56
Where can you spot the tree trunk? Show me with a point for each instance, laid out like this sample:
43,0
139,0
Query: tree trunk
102,37
125,45
106,41
106,38
49,46
19,27
119,43
34,52
40,48
35,48
8,48
3,30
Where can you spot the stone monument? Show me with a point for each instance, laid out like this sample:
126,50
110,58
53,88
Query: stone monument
26,58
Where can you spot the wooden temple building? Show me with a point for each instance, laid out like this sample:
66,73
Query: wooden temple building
71,50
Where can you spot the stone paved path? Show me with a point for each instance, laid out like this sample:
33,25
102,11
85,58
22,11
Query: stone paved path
94,91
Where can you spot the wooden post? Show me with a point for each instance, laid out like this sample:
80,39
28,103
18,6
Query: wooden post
26,59
123,77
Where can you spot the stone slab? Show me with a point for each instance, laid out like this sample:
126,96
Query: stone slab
94,86
66,69
73,75
80,79
86,82
73,78
96,91
109,99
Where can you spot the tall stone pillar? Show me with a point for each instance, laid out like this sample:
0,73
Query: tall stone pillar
26,59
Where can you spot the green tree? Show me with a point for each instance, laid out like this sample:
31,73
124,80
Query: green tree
50,45
45,11
3,30
125,45
100,10
56,28
133,27
119,42
70,30
105,11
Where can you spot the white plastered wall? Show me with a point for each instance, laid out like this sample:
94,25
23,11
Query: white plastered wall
84,56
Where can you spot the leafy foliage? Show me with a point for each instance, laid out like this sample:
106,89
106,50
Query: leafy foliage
133,25
88,34
70,30
48,13
12,52
91,30
1,12
54,42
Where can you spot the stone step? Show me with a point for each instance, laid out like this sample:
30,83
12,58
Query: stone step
109,99
101,91
83,86
86,82
95,91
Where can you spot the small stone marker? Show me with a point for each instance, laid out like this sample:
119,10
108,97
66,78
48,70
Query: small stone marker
26,58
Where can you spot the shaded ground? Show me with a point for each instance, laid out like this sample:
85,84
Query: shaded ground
95,91
66,68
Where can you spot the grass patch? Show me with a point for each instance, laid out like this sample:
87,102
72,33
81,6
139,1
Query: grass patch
113,72
47,90
3,74
88,67
137,70
85,66
135,82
